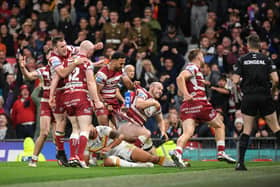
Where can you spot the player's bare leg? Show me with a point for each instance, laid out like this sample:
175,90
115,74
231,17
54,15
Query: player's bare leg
59,139
138,135
45,122
74,140
188,130
219,127
84,125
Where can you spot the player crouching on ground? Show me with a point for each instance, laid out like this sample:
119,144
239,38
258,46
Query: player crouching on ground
117,152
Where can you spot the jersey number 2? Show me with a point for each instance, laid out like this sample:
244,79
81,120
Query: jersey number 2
74,75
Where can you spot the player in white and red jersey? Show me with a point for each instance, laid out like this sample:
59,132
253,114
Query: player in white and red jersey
196,108
79,87
107,79
46,117
59,68
117,152
143,106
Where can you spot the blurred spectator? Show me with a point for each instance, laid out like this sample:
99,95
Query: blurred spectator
238,127
262,129
24,124
153,25
64,20
113,33
220,95
5,12
198,17
6,129
211,78
175,130
46,14
7,39
140,36
148,74
220,58
173,39
6,66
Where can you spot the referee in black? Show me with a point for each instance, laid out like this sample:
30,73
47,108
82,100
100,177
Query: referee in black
259,82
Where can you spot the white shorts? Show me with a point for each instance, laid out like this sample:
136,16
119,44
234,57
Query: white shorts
123,150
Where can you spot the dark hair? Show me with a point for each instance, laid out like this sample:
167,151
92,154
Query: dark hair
118,55
57,39
193,54
253,41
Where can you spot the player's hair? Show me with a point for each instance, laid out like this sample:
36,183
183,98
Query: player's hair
117,55
193,54
253,41
57,39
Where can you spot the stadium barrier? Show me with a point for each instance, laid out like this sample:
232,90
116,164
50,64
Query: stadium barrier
260,149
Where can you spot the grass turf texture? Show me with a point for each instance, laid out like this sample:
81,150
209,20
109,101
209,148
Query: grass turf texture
200,174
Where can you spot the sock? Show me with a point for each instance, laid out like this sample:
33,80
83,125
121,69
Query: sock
140,141
59,140
242,147
221,145
73,143
277,134
34,158
179,150
82,144
161,160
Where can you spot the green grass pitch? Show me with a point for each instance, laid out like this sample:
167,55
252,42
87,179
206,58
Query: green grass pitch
200,174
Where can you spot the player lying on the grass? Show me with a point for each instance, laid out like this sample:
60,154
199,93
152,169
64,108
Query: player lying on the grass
117,152
143,106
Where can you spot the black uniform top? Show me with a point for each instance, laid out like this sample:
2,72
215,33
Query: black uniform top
255,69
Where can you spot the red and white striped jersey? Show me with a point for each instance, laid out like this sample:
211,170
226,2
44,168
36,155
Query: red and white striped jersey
76,80
195,84
56,60
137,115
109,79
45,75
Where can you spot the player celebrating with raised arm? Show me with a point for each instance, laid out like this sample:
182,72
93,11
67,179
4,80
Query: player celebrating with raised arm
143,106
116,152
196,108
79,85
256,71
46,117
107,79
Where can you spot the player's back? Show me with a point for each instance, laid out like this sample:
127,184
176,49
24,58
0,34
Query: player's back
77,80
255,69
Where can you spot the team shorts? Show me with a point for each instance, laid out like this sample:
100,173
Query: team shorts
104,110
200,111
254,104
77,103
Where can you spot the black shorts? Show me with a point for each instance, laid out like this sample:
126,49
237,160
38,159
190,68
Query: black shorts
254,104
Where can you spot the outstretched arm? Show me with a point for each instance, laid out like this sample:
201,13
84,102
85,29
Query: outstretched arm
29,75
